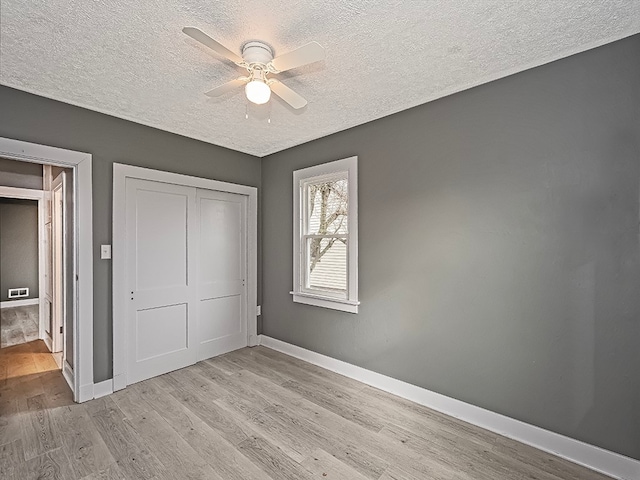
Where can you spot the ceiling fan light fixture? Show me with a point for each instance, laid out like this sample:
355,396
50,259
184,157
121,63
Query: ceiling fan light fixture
257,91
258,59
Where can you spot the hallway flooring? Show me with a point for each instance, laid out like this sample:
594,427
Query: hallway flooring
18,325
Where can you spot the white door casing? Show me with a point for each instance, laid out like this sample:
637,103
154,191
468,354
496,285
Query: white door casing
161,277
219,339
81,379
222,272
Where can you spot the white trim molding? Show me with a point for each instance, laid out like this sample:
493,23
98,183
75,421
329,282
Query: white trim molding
20,303
120,174
596,458
67,373
102,389
83,254
345,299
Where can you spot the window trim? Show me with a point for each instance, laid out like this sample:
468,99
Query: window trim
301,178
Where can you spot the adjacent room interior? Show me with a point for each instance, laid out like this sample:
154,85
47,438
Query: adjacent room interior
283,240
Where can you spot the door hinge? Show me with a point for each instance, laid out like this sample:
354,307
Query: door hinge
60,329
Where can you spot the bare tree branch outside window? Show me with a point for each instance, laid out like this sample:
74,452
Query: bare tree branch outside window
328,206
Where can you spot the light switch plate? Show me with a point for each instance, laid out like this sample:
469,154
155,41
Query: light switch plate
105,252
258,310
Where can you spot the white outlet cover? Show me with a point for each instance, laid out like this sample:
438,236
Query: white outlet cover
105,252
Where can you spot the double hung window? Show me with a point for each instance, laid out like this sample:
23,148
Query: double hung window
326,235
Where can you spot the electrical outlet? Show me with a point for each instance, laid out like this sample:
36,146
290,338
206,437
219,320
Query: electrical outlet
105,252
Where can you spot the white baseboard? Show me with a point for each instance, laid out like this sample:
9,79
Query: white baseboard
67,373
102,388
596,458
19,303
119,382
84,393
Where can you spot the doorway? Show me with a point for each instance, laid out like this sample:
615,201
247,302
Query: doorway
19,270
75,316
184,272
34,265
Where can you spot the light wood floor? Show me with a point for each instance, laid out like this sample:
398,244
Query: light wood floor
18,325
252,414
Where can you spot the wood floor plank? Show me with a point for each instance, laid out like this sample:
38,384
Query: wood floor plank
346,447
344,405
544,461
212,414
130,453
21,365
473,463
250,360
321,465
230,384
177,456
223,457
85,448
52,465
413,415
130,403
45,362
10,422
38,433
307,372
11,455
267,427
272,460
112,472
58,393
224,364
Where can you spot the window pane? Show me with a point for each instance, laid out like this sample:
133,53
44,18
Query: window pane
327,267
327,204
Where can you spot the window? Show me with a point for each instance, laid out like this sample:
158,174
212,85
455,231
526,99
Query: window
325,235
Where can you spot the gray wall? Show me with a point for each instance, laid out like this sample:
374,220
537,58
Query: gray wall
35,119
18,246
20,174
499,247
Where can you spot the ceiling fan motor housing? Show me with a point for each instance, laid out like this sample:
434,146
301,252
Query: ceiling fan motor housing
257,52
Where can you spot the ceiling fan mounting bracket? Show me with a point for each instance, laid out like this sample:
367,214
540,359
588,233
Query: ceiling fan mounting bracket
257,53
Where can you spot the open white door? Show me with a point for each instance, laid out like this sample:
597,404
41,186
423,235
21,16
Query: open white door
58,232
161,277
222,273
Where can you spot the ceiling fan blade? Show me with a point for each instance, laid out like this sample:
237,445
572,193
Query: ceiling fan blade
309,53
205,39
226,87
288,95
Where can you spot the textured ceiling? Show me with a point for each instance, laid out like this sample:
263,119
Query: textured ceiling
129,58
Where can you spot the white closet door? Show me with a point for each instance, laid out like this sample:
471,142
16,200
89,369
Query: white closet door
160,257
222,273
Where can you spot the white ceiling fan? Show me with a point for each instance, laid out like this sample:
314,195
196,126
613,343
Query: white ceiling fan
257,58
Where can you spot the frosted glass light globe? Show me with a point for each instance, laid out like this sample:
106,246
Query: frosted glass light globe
257,92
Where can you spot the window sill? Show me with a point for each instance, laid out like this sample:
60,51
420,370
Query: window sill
326,302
